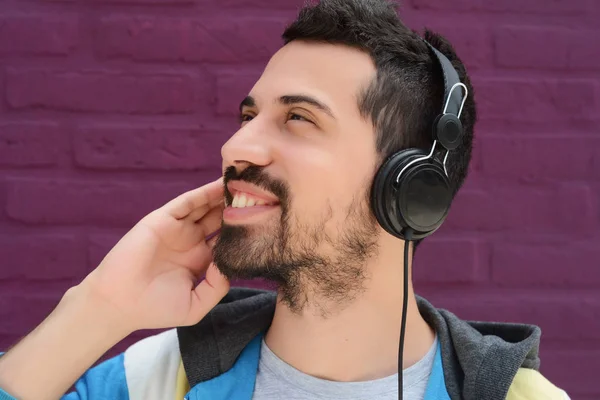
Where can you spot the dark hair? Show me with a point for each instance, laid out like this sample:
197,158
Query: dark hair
407,93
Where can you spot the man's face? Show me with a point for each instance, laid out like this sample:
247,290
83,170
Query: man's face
298,174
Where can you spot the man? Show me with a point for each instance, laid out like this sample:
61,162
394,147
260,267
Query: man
351,86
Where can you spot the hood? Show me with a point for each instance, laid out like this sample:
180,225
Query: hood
480,359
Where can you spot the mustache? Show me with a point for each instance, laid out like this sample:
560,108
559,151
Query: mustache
258,177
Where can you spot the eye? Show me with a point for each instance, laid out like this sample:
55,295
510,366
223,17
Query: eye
297,117
245,118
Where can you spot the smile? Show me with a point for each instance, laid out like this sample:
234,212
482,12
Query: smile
242,200
249,204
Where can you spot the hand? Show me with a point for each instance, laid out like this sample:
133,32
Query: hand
149,278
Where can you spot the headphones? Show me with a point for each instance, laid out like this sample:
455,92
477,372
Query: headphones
411,189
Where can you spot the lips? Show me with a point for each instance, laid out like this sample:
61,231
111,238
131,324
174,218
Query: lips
243,194
243,199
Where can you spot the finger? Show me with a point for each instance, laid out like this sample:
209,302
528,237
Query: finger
208,196
197,259
212,241
210,222
198,213
207,295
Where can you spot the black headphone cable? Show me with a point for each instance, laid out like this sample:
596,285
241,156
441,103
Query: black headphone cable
407,239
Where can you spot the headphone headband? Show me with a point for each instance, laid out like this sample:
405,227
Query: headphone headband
447,128
453,99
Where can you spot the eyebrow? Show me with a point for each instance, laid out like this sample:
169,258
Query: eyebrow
247,102
291,100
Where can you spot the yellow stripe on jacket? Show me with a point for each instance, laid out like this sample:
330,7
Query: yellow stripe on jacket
529,384
182,386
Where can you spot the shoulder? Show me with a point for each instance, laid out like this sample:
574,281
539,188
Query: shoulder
152,365
529,384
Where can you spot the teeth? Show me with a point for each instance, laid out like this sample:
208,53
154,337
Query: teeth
241,200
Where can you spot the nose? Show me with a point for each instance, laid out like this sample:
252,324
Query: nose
248,146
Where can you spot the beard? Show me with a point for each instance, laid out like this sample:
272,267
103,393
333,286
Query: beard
303,261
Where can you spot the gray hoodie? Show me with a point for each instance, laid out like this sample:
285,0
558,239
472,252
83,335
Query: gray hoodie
480,359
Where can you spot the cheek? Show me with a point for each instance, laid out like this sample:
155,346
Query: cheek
320,179
313,176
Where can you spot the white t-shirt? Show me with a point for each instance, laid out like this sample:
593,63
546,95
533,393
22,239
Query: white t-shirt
276,380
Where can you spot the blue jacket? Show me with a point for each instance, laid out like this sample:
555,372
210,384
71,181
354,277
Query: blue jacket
217,359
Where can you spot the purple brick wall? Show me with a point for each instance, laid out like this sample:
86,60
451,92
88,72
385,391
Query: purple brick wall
110,108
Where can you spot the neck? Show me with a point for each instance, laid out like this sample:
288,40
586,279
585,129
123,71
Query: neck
360,342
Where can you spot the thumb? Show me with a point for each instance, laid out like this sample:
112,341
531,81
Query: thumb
207,294
212,241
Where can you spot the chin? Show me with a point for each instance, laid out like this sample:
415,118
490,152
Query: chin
245,252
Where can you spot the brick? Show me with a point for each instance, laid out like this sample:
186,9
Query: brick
517,46
42,257
3,195
519,6
232,88
473,45
550,311
268,4
103,203
553,125
573,371
528,158
467,263
527,47
148,148
144,2
584,51
100,91
261,284
31,144
208,40
544,264
20,314
536,99
38,35
526,208
134,2
7,341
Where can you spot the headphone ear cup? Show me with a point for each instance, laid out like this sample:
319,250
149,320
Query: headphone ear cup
420,199
380,195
